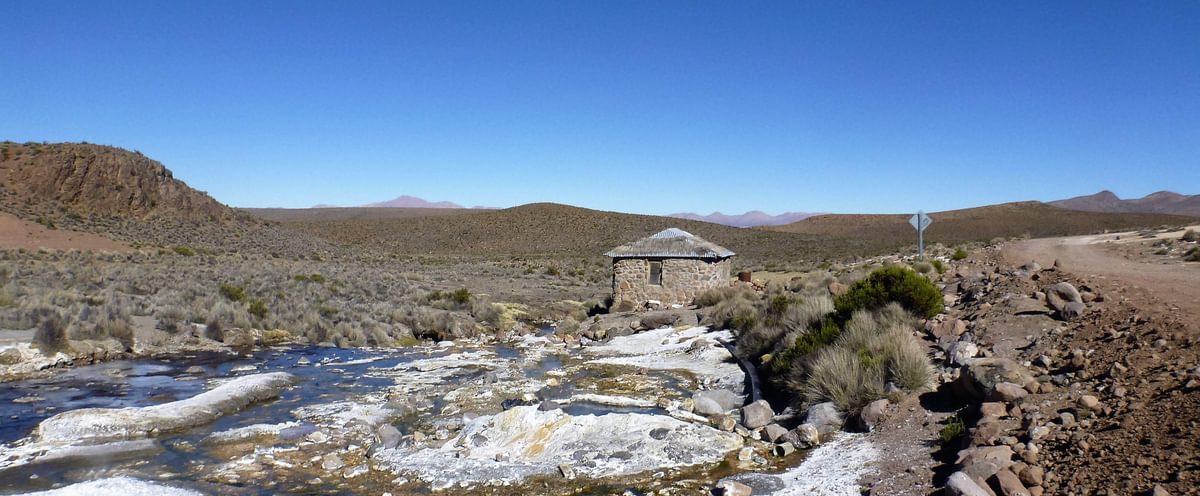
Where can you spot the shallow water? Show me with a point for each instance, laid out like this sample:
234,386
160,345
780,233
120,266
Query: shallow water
147,382
332,376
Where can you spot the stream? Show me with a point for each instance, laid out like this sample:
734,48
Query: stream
472,417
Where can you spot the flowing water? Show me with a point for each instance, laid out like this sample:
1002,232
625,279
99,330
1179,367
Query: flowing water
327,376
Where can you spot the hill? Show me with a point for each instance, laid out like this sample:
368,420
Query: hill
1163,202
753,218
540,229
405,201
1033,219
125,196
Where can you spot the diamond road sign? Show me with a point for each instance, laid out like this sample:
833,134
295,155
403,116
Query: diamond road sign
920,221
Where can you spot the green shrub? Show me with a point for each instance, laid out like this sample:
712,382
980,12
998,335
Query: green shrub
839,375
232,293
954,429
1191,236
923,267
552,271
461,296
939,265
317,278
257,308
184,250
892,284
959,254
1193,255
787,362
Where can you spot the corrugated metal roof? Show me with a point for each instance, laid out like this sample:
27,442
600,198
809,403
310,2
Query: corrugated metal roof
670,243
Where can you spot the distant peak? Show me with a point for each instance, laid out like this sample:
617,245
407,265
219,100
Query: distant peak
406,201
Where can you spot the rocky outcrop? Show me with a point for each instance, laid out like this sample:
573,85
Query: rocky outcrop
124,423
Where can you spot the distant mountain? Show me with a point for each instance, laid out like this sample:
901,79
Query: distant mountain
1162,202
406,201
753,218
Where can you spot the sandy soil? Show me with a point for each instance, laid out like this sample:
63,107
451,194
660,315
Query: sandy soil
17,233
1176,283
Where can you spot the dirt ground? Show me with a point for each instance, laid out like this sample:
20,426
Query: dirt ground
17,233
1107,257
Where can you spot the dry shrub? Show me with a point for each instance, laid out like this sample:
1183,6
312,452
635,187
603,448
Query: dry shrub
872,349
51,333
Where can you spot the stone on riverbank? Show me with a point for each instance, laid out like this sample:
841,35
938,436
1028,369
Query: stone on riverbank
123,423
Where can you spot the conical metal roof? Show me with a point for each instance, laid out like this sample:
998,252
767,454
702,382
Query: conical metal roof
670,243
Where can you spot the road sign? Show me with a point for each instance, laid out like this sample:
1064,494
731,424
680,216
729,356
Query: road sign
919,222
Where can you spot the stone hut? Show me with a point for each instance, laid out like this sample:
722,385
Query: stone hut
671,267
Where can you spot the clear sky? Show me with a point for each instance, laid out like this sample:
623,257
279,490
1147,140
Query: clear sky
649,106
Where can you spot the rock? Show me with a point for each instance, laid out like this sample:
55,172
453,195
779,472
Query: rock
983,374
549,405
723,422
773,432
783,449
1072,310
725,399
1059,295
133,422
657,320
837,288
1032,475
803,436
1089,402
707,406
1160,491
993,409
418,436
316,437
983,462
388,436
961,484
1009,484
961,352
757,414
194,370
825,417
948,330
745,454
874,413
331,462
566,471
1009,392
10,356
733,488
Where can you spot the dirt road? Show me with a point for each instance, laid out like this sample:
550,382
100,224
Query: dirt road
1175,283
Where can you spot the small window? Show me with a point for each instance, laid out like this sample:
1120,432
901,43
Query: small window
656,273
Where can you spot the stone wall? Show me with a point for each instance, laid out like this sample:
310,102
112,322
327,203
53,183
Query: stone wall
682,280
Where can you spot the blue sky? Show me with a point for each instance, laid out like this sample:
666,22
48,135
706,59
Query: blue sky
651,107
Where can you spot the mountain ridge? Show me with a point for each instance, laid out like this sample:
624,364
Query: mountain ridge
1159,202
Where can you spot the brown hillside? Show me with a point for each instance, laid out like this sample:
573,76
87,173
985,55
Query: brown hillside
96,179
951,227
127,197
541,229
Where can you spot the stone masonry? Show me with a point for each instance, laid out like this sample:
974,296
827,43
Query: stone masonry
682,279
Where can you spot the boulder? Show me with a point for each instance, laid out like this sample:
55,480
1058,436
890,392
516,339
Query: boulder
707,406
757,414
961,352
732,488
1072,310
773,433
803,436
1009,392
979,379
1059,295
657,320
1009,484
10,356
331,462
961,484
825,417
724,398
983,462
388,436
874,413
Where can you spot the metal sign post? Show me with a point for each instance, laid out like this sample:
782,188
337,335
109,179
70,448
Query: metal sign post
919,222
